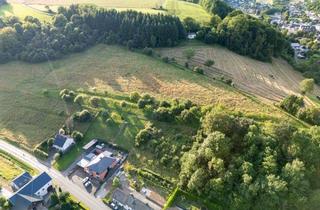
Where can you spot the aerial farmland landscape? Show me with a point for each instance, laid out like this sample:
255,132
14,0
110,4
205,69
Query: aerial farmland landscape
159,104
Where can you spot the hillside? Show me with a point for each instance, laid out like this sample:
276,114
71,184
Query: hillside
272,81
27,116
178,8
21,11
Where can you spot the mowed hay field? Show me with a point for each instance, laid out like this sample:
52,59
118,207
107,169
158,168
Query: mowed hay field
272,81
21,11
184,9
27,116
101,3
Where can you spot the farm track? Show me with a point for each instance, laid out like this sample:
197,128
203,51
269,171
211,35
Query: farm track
272,81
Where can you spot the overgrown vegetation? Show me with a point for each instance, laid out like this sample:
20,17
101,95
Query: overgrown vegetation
244,165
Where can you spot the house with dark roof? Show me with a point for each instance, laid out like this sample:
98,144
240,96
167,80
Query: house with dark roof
32,193
128,201
62,142
20,181
100,165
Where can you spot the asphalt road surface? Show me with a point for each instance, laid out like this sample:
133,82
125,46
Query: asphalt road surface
61,180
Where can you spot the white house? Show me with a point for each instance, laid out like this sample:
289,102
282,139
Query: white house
32,193
63,142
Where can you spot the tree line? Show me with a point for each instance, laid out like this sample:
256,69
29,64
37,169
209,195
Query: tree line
239,32
76,28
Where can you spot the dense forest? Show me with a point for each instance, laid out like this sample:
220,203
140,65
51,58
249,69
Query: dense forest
78,27
242,164
246,35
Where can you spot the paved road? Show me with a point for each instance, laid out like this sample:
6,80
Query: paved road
61,180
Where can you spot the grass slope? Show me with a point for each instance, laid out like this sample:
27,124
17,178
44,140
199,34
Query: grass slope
21,11
184,9
28,117
247,74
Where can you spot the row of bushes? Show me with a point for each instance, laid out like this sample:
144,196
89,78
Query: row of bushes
295,105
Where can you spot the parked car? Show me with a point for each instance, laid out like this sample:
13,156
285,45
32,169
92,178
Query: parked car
87,184
114,206
84,181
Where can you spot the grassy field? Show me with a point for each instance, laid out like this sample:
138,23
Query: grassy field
179,8
11,168
145,6
21,11
27,116
184,9
101,3
273,80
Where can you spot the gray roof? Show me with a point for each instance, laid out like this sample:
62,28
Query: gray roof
26,194
22,179
100,165
60,140
128,199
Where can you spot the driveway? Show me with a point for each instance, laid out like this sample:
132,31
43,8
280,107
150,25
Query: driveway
63,181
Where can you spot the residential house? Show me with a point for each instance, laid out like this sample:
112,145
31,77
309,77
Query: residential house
62,142
99,165
20,181
128,201
32,193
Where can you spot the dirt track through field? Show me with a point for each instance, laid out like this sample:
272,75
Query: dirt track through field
271,81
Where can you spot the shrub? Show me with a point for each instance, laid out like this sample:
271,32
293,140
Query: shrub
163,114
67,95
208,63
83,116
146,99
165,59
147,51
198,70
188,53
310,115
105,114
94,101
146,134
165,104
228,81
134,97
40,154
188,117
123,104
292,104
77,136
177,109
78,99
